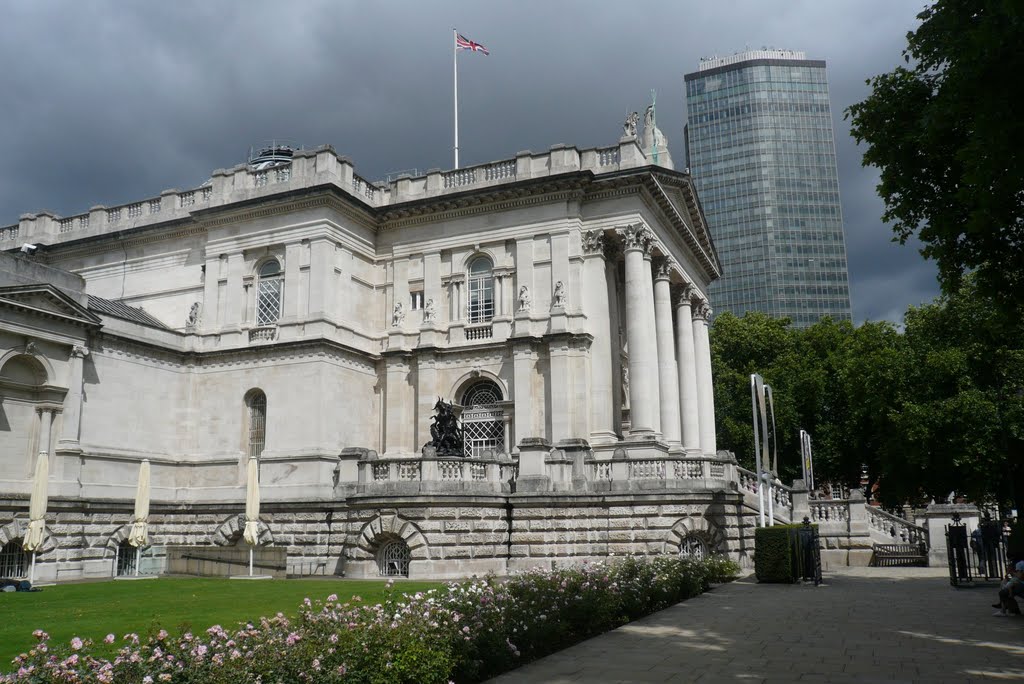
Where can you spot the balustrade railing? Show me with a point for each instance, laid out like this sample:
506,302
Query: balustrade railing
608,156
500,170
898,529
829,511
459,178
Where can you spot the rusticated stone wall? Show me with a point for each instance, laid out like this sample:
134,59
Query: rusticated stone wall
448,536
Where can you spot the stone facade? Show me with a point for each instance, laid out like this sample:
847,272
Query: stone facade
303,316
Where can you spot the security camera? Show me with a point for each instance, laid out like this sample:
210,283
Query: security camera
29,249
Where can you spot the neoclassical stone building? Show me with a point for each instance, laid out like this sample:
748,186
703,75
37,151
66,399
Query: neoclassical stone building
290,310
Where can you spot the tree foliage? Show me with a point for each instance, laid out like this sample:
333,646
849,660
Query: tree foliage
947,133
934,409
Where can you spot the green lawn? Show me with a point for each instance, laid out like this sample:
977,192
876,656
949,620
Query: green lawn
93,610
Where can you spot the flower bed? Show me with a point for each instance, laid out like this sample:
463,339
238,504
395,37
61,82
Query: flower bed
466,632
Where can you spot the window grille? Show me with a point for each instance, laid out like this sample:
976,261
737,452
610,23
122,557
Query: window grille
482,394
125,564
393,559
268,294
13,560
257,423
416,300
481,290
693,547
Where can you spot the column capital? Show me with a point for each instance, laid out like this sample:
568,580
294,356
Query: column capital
79,351
683,294
593,242
637,237
49,408
662,268
701,310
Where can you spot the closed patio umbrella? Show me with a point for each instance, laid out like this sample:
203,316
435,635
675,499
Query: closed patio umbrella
139,535
251,534
37,511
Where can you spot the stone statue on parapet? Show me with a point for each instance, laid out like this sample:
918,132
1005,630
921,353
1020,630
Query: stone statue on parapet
558,299
445,432
629,125
525,301
193,316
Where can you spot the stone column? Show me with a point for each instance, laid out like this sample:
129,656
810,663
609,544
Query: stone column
668,372
562,400
598,311
399,429
209,313
636,241
321,278
705,391
650,340
290,306
426,395
233,310
522,391
72,422
687,363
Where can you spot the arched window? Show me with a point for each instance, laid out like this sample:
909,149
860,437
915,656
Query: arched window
481,290
393,558
126,557
483,393
256,403
483,424
13,560
268,293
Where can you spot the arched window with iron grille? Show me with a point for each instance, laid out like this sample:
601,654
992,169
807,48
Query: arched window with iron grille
13,560
483,424
268,293
393,558
126,559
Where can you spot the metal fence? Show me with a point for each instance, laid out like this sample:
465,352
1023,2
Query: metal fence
976,557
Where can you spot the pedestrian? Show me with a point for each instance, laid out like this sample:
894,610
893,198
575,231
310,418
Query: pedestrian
1011,587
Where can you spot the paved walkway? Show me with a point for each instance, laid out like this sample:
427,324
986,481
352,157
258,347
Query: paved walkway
862,625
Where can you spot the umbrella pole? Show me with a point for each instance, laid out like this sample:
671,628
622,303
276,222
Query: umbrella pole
138,557
32,571
250,561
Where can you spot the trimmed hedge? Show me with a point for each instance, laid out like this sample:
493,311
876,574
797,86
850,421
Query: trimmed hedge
466,632
778,553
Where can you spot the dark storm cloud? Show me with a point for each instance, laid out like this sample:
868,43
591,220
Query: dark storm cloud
106,102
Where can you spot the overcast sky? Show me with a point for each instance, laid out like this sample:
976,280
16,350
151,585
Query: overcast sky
108,102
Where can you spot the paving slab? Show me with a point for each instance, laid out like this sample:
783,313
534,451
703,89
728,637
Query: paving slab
885,625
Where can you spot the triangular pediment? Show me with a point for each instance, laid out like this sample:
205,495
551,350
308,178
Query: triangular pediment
47,300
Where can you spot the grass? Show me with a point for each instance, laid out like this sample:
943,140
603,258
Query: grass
93,610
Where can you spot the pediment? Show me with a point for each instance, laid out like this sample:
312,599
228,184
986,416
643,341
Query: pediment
681,194
47,300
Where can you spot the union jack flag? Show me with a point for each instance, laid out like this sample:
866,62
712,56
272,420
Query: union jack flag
462,43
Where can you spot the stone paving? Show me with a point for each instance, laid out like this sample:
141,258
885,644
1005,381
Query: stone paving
862,625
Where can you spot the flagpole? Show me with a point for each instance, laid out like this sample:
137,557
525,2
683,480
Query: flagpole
455,89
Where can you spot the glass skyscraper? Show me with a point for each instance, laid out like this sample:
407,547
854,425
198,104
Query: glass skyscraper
760,147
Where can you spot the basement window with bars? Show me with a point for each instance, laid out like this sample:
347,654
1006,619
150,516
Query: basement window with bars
393,558
257,405
268,293
13,560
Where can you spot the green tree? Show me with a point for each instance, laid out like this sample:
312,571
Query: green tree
947,133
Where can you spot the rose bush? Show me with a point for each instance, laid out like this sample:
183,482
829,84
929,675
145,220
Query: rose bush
467,632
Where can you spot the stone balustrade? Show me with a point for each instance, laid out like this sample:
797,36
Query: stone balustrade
896,528
782,496
320,165
404,475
